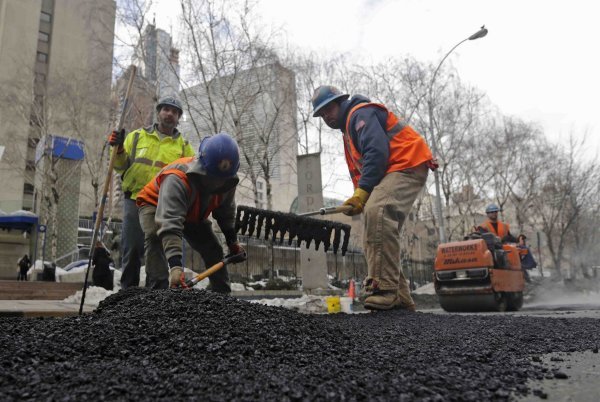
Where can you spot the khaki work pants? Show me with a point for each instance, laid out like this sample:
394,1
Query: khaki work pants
384,214
199,236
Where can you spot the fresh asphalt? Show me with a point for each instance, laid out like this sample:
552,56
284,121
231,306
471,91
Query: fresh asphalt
182,345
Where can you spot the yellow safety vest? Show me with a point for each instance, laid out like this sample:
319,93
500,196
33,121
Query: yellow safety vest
145,154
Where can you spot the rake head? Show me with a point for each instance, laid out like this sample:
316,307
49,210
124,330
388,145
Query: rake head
275,225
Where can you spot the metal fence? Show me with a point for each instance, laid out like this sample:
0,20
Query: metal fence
418,273
267,260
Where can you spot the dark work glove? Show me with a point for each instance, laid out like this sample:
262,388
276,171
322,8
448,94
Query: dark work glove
117,138
237,249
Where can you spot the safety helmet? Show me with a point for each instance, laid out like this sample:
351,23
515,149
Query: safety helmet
492,208
219,155
324,95
170,101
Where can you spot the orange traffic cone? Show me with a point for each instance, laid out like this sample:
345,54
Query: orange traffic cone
352,290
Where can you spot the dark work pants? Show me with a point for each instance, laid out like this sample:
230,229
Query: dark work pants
22,276
200,237
132,244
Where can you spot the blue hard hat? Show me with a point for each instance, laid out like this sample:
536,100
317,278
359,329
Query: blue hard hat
492,208
324,95
219,155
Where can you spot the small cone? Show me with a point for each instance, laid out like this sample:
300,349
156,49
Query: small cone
351,290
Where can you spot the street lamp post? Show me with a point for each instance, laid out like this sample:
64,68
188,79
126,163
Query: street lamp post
438,197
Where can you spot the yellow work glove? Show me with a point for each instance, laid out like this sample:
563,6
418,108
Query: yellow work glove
357,202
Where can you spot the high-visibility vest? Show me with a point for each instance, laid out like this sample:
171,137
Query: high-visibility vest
145,155
407,148
503,228
198,211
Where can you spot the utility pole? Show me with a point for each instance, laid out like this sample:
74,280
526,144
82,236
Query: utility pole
438,196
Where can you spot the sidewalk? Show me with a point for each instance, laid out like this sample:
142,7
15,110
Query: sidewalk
40,308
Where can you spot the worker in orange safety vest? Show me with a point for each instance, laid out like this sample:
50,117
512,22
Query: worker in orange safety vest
495,226
178,203
388,163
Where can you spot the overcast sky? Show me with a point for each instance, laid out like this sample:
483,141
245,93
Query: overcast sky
540,60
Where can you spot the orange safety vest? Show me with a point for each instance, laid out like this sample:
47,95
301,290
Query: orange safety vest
503,228
149,193
407,148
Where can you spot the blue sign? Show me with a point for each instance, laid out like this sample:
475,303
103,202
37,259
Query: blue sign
61,147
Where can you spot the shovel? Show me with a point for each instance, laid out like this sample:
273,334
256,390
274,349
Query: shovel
229,259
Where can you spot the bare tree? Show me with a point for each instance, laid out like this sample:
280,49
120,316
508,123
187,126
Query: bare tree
566,191
231,84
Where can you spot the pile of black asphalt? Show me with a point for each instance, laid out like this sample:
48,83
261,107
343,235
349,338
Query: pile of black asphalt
197,345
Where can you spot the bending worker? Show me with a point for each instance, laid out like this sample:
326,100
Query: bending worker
388,163
527,260
141,155
178,203
496,226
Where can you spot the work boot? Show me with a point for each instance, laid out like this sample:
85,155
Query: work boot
382,300
407,307
405,300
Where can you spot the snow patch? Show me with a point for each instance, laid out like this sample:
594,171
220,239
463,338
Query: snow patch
304,304
93,296
428,289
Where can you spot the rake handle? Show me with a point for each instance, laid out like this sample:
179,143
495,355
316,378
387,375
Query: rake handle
328,210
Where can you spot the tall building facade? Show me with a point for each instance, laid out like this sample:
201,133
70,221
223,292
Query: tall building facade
257,107
158,61
55,74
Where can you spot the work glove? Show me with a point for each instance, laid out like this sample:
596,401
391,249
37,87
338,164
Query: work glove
176,277
117,138
357,202
237,249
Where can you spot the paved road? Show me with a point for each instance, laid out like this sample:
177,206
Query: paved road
582,369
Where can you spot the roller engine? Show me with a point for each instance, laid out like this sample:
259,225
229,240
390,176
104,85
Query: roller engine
479,274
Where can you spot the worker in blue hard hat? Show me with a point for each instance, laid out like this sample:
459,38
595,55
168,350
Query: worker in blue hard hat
388,162
495,226
179,202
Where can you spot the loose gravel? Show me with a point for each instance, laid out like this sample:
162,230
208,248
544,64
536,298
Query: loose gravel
196,345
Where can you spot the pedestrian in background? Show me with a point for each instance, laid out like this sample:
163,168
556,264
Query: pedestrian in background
526,256
102,276
23,264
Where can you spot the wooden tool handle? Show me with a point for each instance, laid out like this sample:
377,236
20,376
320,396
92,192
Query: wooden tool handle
206,274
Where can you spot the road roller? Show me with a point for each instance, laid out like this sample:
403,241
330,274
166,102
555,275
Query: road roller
479,273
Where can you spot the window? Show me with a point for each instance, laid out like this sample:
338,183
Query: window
45,17
42,57
44,37
260,196
28,188
259,185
